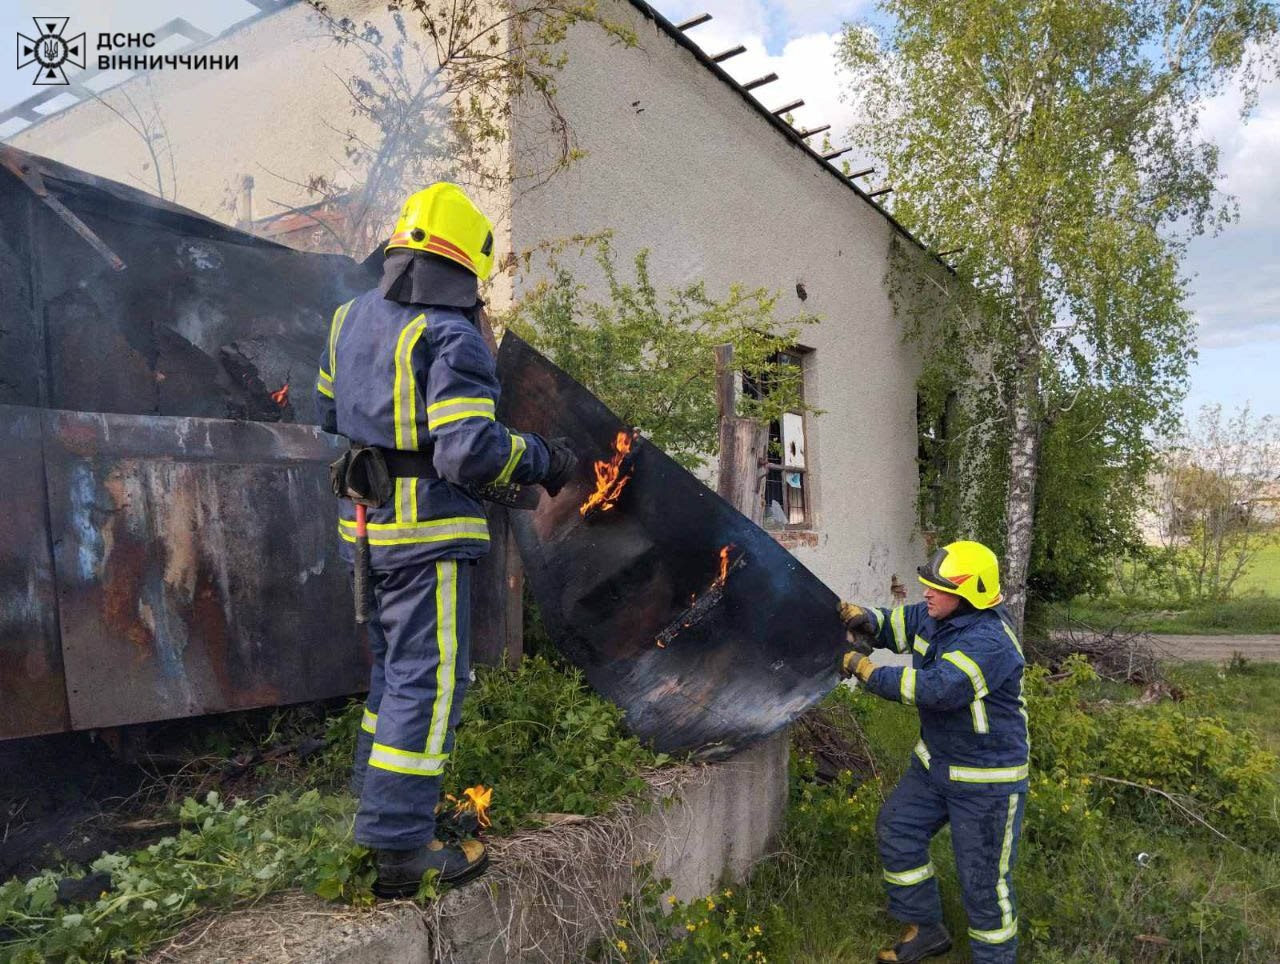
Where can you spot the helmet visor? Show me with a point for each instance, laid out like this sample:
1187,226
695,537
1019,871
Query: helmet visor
931,573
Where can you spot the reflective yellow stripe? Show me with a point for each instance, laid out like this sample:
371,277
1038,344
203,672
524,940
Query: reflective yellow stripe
435,408
989,774
369,721
922,752
405,402
1006,853
1013,637
435,530
335,326
907,687
518,446
920,645
898,620
998,936
447,642
454,409
906,878
970,669
403,761
875,611
323,389
978,710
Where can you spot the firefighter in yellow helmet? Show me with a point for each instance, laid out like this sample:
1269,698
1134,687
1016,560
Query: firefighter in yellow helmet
406,373
969,768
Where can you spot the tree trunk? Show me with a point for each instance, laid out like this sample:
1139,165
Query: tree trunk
1024,456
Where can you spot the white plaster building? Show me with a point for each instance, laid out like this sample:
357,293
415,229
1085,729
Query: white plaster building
678,159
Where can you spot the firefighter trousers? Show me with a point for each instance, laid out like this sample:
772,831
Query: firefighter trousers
984,835
419,638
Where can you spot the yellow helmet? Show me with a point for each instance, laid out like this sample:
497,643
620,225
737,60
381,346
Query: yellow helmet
443,221
966,569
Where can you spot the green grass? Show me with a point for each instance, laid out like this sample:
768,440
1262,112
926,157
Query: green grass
1263,574
538,736
1236,617
1083,896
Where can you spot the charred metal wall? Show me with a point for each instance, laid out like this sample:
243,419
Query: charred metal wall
170,549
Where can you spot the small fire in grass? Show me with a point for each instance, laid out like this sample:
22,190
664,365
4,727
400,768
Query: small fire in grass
701,606
612,476
477,801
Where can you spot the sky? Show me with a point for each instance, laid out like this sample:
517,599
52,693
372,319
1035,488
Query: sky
1236,275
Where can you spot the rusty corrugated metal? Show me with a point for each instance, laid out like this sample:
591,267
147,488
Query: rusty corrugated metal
197,567
194,561
33,697
738,661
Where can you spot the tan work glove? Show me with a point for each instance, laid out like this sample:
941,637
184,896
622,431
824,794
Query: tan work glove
854,663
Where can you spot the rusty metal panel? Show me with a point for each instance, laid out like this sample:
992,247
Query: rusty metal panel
197,567
33,697
702,659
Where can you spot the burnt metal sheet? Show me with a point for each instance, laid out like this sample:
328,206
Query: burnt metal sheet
197,567
203,321
739,658
32,694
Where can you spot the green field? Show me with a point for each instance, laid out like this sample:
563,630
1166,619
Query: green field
1263,575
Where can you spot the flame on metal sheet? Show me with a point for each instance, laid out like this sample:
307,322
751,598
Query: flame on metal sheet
700,606
612,476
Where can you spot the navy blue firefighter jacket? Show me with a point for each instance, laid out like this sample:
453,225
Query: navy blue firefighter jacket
421,379
965,679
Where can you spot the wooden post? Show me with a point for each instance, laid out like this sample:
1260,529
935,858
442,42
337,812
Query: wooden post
497,582
742,445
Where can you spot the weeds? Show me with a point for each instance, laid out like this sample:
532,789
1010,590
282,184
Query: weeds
535,734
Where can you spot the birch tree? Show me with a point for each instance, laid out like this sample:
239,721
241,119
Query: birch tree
1056,144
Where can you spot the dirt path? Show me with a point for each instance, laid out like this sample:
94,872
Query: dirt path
1213,649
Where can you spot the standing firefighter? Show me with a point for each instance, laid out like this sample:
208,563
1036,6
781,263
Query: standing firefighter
970,764
408,378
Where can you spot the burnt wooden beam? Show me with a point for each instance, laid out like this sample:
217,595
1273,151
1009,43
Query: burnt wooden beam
880,190
787,108
759,81
692,22
810,131
726,54
836,153
861,172
949,252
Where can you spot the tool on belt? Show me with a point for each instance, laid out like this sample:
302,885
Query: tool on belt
366,475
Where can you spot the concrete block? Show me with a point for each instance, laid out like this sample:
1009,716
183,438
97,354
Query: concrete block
550,893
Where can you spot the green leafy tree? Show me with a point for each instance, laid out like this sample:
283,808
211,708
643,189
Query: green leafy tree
648,355
1055,143
1091,488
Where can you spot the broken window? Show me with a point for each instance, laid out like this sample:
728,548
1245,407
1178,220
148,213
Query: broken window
786,484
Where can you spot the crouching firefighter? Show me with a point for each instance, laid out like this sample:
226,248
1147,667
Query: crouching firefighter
407,377
969,768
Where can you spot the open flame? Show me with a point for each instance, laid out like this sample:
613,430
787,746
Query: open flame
477,800
611,479
724,566
281,396
699,606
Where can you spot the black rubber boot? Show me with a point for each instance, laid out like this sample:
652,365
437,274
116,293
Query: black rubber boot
917,942
400,872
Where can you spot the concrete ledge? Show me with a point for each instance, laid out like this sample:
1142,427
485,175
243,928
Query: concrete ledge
550,893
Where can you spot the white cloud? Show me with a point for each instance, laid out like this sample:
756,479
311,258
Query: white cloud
805,63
